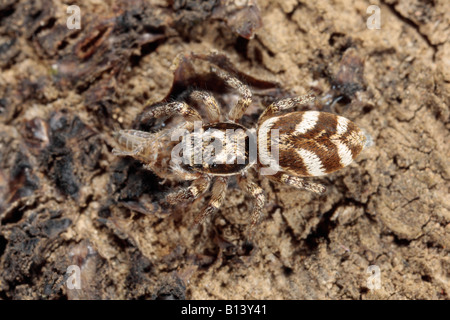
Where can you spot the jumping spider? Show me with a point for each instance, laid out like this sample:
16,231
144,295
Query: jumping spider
310,143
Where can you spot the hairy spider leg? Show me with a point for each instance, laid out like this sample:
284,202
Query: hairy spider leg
296,182
245,99
285,104
212,107
218,192
259,200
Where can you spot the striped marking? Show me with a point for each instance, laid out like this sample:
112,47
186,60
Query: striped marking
263,139
194,191
265,127
309,121
216,203
344,152
265,156
312,162
342,125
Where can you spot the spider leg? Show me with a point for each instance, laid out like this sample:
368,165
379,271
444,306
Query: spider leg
171,109
136,152
258,203
132,141
238,110
190,193
218,195
297,182
212,107
285,104
181,173
145,206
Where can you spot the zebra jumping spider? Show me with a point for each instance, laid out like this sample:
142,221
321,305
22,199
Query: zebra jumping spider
308,143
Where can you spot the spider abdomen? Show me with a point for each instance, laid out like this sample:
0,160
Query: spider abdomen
310,143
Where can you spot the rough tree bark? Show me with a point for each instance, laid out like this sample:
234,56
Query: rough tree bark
65,199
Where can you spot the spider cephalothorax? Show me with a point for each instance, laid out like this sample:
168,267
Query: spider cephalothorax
289,146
